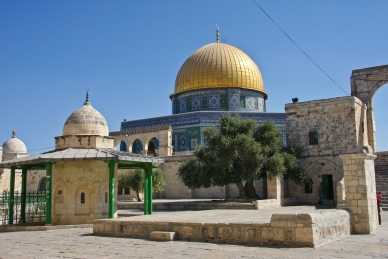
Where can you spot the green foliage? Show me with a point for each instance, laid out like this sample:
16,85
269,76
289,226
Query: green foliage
158,183
137,181
134,180
239,151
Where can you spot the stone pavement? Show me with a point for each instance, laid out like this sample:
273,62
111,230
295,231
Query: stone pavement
80,243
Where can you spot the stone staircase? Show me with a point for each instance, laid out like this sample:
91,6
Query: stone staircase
381,169
382,187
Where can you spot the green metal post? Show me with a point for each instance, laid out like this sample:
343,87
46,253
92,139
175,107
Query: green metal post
111,189
23,196
48,192
145,192
11,195
148,190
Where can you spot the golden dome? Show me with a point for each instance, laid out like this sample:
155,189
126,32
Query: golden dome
219,65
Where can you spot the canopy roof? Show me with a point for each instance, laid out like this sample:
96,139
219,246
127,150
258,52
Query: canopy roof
124,159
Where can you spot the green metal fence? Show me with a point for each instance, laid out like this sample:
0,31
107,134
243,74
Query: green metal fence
35,209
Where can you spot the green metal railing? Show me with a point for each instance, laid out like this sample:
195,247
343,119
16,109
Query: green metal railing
35,207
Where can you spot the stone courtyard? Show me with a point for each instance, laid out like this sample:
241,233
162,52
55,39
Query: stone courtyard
81,243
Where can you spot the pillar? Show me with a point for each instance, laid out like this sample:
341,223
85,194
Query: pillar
23,196
275,188
11,195
371,127
148,190
111,212
360,189
48,192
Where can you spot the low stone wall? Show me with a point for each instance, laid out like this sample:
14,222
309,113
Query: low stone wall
309,229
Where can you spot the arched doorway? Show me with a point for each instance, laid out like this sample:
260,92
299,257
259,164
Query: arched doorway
153,147
42,185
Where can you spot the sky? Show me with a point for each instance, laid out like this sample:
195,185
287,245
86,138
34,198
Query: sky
128,53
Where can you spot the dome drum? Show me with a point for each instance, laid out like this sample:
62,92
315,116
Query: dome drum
226,99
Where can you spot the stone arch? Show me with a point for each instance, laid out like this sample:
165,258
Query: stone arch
364,84
152,146
42,184
328,164
118,142
82,200
81,181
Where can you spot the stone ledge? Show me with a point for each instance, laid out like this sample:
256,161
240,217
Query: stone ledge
15,228
162,236
266,204
301,230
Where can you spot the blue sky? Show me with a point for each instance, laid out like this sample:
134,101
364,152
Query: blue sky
128,54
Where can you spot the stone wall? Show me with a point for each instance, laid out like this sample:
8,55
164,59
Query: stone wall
175,189
381,163
338,122
69,181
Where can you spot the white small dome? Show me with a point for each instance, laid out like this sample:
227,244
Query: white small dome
86,121
14,145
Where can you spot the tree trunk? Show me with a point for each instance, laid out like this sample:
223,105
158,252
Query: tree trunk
250,190
138,196
241,192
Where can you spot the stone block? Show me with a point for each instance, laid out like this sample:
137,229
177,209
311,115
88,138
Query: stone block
162,236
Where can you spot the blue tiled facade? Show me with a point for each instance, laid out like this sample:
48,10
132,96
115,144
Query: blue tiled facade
187,127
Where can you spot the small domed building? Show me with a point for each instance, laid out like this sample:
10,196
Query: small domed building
80,173
15,148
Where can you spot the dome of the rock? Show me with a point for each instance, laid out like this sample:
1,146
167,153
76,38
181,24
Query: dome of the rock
219,65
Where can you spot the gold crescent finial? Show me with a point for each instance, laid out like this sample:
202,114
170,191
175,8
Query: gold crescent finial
217,33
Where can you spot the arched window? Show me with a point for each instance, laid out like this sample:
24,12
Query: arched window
82,197
42,185
123,146
106,197
137,147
